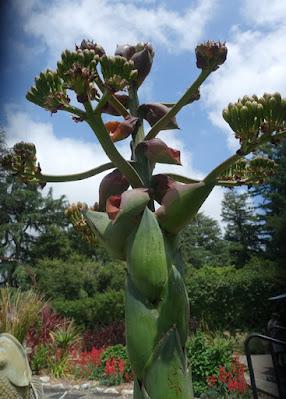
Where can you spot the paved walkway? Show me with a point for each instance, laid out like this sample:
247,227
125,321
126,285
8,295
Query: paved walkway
85,391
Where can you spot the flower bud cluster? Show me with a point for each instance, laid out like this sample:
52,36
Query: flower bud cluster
250,172
252,117
210,55
74,214
117,72
78,71
22,162
49,92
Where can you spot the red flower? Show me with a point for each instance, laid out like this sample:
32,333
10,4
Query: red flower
212,380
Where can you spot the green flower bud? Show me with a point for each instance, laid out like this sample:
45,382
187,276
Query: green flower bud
117,72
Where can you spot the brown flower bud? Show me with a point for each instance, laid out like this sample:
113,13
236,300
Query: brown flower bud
154,112
113,183
142,55
210,55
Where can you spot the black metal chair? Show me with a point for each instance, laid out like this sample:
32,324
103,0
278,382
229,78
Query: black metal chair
278,356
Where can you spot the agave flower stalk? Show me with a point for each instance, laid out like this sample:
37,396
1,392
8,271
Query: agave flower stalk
126,219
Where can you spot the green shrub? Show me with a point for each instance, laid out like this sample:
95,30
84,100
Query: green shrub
227,298
77,277
40,358
206,353
103,309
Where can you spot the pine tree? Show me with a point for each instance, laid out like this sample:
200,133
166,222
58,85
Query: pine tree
202,243
274,205
242,227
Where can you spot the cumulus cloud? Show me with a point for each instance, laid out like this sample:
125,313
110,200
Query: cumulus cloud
60,24
65,155
256,64
264,12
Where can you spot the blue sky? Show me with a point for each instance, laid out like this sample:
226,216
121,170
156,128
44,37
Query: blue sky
35,32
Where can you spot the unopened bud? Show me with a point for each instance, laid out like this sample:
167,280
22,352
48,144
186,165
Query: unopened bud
154,112
90,45
142,55
210,55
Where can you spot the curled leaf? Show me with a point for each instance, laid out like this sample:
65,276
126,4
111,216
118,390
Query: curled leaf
121,130
114,183
128,205
180,204
157,151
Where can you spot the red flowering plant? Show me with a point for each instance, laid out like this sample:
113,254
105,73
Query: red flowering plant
116,366
230,382
87,364
111,365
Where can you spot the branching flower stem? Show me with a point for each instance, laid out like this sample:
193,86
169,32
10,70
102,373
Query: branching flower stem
213,175
112,99
184,100
78,176
97,125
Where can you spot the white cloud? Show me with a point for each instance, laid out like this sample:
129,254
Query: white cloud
264,12
65,155
62,23
256,64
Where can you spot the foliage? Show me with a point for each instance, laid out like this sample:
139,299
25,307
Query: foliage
103,309
77,277
273,205
109,335
205,353
19,311
229,298
39,360
40,333
242,227
202,243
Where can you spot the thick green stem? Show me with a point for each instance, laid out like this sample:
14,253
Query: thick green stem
97,125
182,179
184,100
157,314
138,135
213,175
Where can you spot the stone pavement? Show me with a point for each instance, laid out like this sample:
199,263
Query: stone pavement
87,390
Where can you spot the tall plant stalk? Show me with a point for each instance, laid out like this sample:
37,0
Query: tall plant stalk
157,307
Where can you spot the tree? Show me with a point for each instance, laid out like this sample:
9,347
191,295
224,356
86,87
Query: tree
242,227
202,243
156,301
273,205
